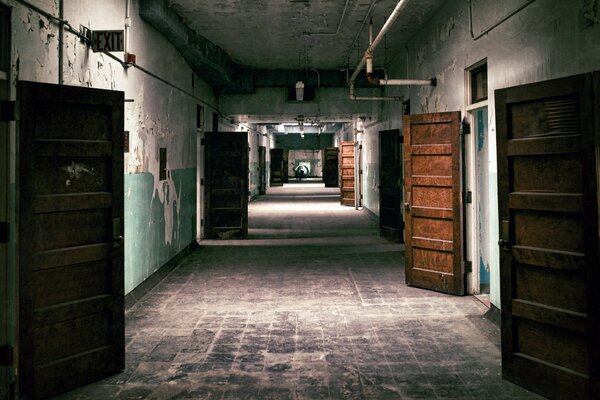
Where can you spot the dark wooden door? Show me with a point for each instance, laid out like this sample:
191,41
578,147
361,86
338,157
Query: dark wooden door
330,167
262,170
433,217
347,173
226,208
277,167
550,278
70,227
285,156
391,224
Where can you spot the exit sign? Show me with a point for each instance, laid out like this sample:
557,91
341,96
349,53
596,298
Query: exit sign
108,41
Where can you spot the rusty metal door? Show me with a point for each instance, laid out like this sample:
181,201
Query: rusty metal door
226,185
347,174
330,167
70,227
391,224
550,281
433,205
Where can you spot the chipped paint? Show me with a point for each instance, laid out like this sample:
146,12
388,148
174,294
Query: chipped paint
75,170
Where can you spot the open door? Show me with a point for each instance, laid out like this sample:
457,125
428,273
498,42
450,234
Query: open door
391,224
330,167
550,278
347,173
262,170
6,317
70,237
226,209
277,167
433,207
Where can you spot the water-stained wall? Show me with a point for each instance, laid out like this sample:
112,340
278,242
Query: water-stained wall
162,95
545,40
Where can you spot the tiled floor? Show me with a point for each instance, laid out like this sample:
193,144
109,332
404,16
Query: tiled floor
312,306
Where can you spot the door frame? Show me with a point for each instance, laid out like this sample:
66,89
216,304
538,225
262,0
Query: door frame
6,130
471,216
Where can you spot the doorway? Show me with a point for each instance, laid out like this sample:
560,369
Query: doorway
391,223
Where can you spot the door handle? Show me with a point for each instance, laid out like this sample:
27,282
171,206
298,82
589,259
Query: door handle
504,245
504,242
407,202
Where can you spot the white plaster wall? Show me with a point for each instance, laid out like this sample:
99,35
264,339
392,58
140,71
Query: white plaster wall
548,39
161,114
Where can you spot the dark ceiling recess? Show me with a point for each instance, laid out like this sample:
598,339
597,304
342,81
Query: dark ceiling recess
206,59
214,65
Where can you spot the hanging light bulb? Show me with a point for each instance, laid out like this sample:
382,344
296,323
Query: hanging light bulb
299,91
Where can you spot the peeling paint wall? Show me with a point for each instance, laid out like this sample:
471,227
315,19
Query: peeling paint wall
546,40
160,215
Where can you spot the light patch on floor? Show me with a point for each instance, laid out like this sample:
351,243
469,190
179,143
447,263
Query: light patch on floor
312,306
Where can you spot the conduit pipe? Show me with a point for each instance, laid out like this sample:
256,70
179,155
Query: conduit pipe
388,24
353,96
368,60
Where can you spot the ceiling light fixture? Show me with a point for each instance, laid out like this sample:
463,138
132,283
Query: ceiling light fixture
299,91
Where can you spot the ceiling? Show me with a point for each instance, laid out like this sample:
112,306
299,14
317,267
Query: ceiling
298,34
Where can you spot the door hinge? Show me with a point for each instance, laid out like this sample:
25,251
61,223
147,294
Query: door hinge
465,128
202,222
8,110
6,356
468,266
4,232
201,181
469,197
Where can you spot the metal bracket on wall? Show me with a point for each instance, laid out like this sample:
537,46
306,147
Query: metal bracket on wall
468,266
465,127
469,197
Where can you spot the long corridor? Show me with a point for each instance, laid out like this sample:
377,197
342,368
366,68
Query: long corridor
313,305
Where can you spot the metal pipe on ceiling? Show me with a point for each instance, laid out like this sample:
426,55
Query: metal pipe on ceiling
353,96
368,60
386,26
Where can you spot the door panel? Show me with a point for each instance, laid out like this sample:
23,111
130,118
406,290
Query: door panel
262,172
226,184
547,183
433,205
391,224
330,167
277,167
347,173
70,193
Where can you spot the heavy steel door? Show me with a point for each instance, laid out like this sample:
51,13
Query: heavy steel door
347,173
433,207
277,167
391,224
70,227
262,170
550,278
330,167
226,156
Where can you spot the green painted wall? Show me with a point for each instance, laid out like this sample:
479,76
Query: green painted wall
149,240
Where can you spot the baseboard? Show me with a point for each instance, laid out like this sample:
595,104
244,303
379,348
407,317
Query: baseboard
494,315
136,294
371,214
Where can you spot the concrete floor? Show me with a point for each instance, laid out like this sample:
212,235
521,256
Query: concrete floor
312,306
